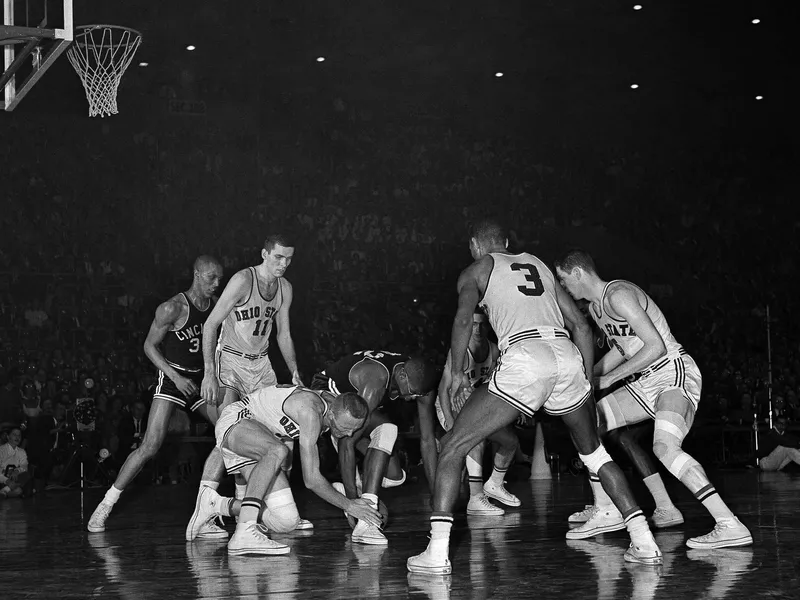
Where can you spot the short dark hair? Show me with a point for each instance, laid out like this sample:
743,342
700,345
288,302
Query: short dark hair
278,239
353,404
421,375
576,258
488,230
205,260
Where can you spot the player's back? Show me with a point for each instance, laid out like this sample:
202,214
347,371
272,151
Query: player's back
520,299
266,406
247,327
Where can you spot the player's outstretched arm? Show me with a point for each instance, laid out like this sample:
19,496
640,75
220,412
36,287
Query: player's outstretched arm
579,328
165,318
310,430
611,360
284,334
233,294
427,438
624,301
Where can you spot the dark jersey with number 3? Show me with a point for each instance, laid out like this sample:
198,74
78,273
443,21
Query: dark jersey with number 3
183,347
339,374
520,298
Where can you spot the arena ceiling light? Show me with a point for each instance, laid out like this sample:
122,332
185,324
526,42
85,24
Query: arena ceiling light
190,48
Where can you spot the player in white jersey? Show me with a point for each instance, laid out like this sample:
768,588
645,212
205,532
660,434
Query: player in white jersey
538,367
238,360
481,357
665,385
253,436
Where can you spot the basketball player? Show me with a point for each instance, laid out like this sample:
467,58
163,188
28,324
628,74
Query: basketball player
538,366
379,376
666,387
238,361
252,434
480,360
174,345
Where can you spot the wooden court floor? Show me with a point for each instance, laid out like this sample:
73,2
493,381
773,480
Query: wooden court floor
46,552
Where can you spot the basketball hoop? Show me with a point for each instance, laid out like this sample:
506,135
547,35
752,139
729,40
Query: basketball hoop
100,55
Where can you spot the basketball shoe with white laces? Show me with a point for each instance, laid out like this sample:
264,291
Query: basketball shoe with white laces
366,533
480,505
252,538
211,531
583,515
97,522
644,550
727,533
603,520
666,517
433,561
500,493
206,510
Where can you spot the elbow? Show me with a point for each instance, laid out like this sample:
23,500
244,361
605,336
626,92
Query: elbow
659,350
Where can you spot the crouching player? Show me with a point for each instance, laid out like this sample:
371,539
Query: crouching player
252,435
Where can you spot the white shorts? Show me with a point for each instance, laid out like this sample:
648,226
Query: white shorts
244,375
532,374
671,373
231,415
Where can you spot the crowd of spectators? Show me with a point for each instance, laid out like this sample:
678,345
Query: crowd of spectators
380,212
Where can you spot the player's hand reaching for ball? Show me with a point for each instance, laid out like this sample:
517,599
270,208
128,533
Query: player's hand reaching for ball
362,509
209,390
186,386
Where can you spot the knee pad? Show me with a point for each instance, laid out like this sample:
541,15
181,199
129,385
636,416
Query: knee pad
596,459
670,430
390,483
280,514
383,437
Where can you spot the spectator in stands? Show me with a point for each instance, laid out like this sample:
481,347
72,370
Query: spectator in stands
14,474
778,448
130,430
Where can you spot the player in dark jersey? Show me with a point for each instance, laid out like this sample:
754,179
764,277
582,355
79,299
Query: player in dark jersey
379,376
177,328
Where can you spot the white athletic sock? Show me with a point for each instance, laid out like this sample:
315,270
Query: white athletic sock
112,495
475,477
241,488
655,484
498,476
371,498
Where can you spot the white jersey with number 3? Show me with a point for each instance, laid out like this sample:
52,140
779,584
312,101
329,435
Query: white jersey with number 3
520,300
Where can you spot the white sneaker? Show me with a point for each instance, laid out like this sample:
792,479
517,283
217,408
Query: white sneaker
644,551
666,517
583,515
365,533
602,521
251,538
480,505
304,524
500,493
97,522
205,509
428,564
727,533
211,531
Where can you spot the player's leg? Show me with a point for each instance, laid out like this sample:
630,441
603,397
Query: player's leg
252,448
666,514
382,435
582,427
674,417
285,476
157,425
508,442
481,416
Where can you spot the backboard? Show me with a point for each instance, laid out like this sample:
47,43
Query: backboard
33,35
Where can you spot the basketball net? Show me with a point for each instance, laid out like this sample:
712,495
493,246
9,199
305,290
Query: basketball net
100,56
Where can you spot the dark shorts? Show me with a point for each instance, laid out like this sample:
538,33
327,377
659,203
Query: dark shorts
166,390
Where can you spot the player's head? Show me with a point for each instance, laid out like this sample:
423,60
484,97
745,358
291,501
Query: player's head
575,270
347,414
416,378
207,275
277,253
485,236
480,324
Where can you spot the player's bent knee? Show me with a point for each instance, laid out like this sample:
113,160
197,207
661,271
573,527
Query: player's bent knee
280,514
668,450
596,459
383,437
